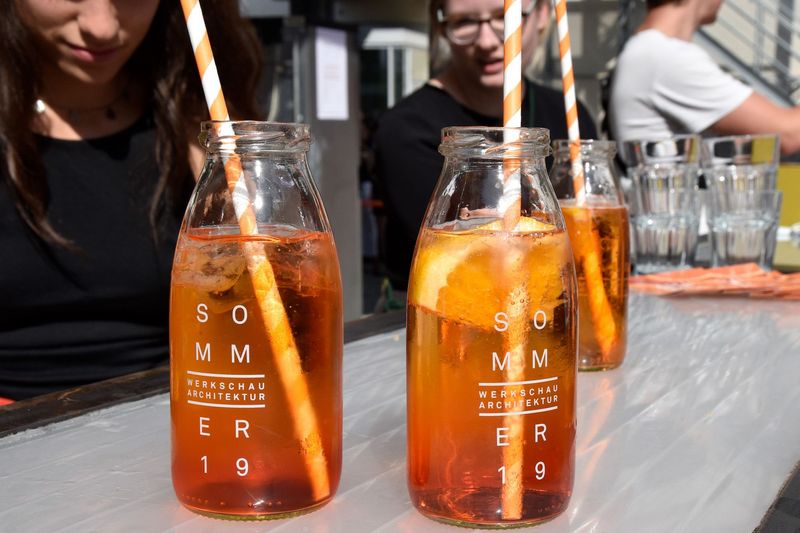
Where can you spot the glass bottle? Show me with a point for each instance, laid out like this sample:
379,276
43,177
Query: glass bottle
256,331
492,338
599,232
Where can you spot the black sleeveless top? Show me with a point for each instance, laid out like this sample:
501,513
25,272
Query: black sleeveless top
73,317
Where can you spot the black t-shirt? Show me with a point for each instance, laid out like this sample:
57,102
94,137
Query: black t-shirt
408,162
74,317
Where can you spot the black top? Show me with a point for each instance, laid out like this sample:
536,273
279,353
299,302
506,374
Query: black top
73,317
408,162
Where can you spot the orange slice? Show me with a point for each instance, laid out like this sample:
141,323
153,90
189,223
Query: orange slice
466,276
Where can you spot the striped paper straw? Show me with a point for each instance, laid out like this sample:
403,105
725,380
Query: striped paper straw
600,308
273,313
570,101
509,205
516,303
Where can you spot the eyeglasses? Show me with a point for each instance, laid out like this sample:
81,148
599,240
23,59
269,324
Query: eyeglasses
463,30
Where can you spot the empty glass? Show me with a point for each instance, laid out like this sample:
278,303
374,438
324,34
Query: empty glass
741,162
665,202
744,226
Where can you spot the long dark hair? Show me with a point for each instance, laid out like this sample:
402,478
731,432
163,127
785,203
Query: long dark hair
164,62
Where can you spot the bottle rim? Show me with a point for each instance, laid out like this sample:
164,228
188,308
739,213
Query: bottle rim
254,135
494,142
603,147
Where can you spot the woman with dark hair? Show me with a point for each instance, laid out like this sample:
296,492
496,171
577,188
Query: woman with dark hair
100,102
467,90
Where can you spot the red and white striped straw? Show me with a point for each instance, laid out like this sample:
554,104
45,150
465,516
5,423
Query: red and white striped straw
509,204
570,100
273,313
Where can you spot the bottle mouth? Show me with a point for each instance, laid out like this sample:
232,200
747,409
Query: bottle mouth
254,135
588,147
494,142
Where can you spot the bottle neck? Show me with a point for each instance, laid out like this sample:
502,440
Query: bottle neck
254,137
482,143
589,150
254,151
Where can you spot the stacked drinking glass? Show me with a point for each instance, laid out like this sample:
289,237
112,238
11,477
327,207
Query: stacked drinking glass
740,172
666,204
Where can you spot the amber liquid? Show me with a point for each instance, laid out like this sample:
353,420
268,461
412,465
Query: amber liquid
460,384
234,449
604,232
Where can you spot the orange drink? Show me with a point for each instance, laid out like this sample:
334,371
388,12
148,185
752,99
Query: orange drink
235,452
601,245
491,372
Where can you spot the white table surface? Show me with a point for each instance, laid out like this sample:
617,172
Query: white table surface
697,431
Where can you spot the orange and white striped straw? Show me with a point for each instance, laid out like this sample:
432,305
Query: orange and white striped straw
606,328
570,100
516,303
509,205
512,64
273,313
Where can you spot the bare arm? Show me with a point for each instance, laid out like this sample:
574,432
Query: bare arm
757,114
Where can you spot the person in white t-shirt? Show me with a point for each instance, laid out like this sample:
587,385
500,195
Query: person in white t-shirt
665,84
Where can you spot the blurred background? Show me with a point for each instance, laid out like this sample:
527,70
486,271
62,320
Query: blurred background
338,64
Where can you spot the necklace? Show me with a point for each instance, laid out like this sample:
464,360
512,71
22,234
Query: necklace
78,115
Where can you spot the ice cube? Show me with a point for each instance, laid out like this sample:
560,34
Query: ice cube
210,267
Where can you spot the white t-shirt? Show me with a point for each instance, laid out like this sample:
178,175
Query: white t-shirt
665,86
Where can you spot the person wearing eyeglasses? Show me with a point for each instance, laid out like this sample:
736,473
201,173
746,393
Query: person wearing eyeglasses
468,91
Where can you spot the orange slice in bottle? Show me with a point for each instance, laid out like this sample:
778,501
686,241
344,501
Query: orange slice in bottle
466,276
